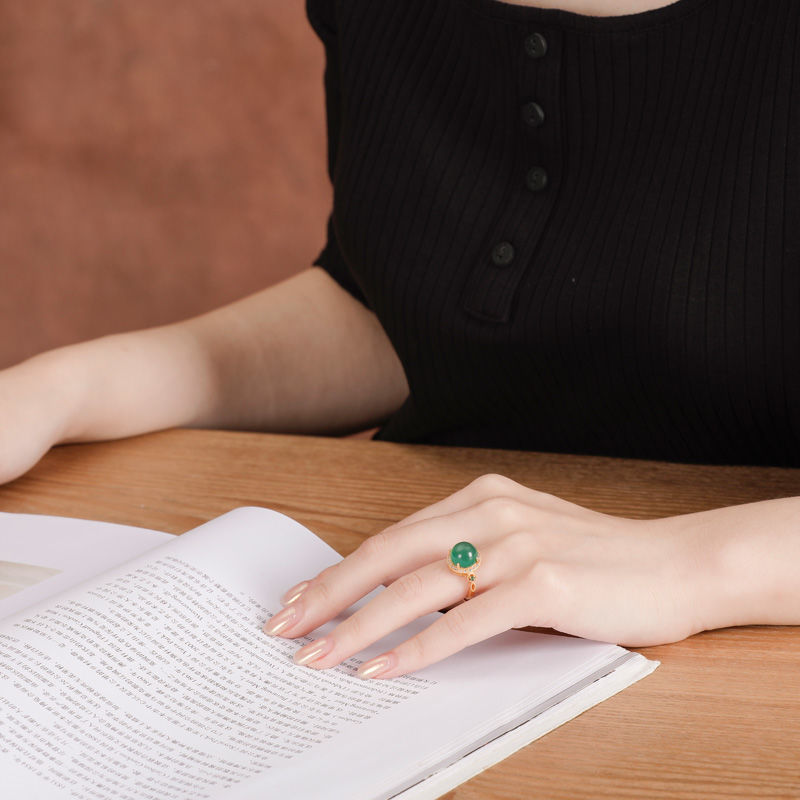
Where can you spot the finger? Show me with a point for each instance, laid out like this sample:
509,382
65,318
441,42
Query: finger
488,489
386,556
468,623
492,486
408,598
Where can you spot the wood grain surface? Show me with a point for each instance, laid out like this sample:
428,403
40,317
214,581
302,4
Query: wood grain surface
719,719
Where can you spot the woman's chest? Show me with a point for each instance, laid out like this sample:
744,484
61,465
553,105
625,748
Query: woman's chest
599,206
485,176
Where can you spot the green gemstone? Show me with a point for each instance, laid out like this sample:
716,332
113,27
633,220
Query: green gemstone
463,554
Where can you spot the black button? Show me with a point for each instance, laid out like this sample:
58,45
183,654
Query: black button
502,254
533,114
535,45
536,179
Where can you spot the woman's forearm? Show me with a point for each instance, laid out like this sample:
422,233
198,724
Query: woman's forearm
744,563
302,356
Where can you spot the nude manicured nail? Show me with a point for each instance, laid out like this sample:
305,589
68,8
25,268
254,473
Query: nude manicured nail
375,667
311,652
294,593
282,620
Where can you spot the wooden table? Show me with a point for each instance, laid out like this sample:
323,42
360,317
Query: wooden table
719,719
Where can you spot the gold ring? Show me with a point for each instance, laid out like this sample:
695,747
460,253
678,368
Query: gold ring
464,559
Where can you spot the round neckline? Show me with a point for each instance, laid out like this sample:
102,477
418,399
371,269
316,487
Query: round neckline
637,21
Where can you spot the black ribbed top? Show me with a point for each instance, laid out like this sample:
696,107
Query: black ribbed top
581,234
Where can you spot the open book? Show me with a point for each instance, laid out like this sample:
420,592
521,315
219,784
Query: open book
132,665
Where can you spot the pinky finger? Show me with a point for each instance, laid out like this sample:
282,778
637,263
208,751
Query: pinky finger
467,623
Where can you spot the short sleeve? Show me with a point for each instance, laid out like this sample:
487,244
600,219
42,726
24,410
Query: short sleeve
330,259
322,16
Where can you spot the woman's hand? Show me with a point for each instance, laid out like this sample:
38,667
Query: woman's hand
545,562
36,399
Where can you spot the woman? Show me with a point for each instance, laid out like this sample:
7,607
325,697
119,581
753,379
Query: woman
567,228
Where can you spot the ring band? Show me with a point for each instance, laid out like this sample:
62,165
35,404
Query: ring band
464,559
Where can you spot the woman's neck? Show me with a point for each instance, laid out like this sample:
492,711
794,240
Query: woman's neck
596,8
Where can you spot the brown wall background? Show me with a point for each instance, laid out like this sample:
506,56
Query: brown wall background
157,159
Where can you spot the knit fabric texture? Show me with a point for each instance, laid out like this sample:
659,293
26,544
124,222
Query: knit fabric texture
581,234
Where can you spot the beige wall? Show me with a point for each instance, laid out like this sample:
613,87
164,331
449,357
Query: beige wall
156,159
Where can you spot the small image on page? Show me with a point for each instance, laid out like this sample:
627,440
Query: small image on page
15,576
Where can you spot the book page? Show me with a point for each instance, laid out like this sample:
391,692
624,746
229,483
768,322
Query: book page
41,556
156,681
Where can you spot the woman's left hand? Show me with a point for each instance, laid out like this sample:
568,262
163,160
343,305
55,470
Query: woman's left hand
545,562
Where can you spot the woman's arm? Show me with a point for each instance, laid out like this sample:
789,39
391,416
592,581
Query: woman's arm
302,356
548,563
745,567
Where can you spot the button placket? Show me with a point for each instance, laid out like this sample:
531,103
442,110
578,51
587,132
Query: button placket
533,113
492,285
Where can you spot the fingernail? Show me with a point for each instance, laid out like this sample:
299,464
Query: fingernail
376,667
311,652
282,620
294,593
